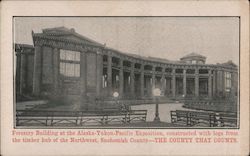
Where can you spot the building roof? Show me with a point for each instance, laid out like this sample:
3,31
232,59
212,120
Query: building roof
18,45
193,55
68,34
229,64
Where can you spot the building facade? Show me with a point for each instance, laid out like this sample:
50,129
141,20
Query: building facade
65,64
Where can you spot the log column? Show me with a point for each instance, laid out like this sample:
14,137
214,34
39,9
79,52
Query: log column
37,70
18,72
196,82
218,82
214,83
132,79
153,80
23,71
56,65
83,76
233,83
99,73
184,83
121,79
209,84
109,80
223,82
173,82
142,80
163,83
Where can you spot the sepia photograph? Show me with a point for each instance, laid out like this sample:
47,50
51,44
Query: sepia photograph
124,78
126,72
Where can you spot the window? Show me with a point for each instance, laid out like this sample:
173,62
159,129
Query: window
190,71
69,55
200,62
69,63
228,81
179,71
116,78
104,81
168,70
193,61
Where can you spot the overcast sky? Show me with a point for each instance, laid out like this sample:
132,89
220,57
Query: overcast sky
217,38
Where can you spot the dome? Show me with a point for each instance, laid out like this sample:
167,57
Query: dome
194,58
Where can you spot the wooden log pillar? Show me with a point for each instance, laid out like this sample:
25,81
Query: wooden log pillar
99,74
56,67
214,83
37,75
196,88
173,82
121,79
109,80
153,81
142,81
223,83
163,84
23,72
184,83
132,80
83,79
209,84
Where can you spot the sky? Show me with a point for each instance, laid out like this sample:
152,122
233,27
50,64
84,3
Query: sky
170,38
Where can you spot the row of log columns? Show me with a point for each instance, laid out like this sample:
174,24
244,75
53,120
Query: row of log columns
212,77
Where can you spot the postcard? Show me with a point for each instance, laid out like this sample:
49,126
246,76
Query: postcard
124,78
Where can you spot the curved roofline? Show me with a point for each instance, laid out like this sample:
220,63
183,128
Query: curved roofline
192,55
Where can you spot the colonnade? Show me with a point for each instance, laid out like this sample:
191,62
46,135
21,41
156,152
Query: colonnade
137,77
153,74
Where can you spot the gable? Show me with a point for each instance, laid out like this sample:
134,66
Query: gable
75,38
70,34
